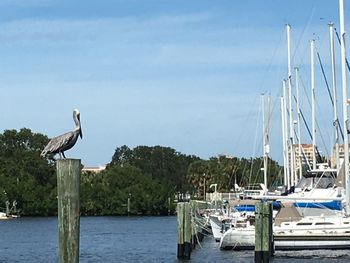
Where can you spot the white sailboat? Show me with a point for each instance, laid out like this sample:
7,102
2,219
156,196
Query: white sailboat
292,231
313,232
220,221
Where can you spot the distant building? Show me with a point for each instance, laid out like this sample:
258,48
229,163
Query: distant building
93,169
306,154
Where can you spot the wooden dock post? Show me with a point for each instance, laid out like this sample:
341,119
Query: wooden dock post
258,234
7,208
267,234
184,232
263,232
187,231
193,206
68,189
270,223
194,241
180,228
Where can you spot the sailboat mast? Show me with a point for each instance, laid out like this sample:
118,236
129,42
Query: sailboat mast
285,157
299,122
334,88
345,107
313,115
291,124
285,129
265,145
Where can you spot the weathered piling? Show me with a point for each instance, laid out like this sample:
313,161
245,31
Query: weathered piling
187,231
258,234
264,247
14,207
194,241
7,208
270,223
128,205
184,246
180,229
68,189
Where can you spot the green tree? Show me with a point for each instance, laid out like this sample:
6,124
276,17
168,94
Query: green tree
24,175
116,184
161,163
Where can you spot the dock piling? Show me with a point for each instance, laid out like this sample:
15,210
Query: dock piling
68,189
184,230
264,247
187,231
180,230
7,208
194,240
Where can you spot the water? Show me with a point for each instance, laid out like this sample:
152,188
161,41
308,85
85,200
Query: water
122,239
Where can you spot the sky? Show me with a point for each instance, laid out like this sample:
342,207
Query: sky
182,74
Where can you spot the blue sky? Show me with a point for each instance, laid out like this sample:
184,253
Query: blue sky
184,74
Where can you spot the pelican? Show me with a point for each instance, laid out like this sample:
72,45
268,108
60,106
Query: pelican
65,141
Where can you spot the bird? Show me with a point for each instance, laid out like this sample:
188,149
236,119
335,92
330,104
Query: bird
66,141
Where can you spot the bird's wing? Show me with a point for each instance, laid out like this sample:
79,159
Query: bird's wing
58,142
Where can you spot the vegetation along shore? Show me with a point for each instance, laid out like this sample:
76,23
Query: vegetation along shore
150,177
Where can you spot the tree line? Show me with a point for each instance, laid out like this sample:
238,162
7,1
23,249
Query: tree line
150,177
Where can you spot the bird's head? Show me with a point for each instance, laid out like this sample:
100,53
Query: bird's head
76,113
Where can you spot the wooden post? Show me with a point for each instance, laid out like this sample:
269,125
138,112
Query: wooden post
168,206
271,240
264,247
193,205
258,234
7,208
180,228
129,204
14,206
68,189
187,231
184,232
266,233
193,235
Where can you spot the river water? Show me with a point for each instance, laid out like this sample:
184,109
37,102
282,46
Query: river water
126,239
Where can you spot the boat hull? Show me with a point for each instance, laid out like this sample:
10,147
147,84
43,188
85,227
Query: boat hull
304,242
245,240
237,239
